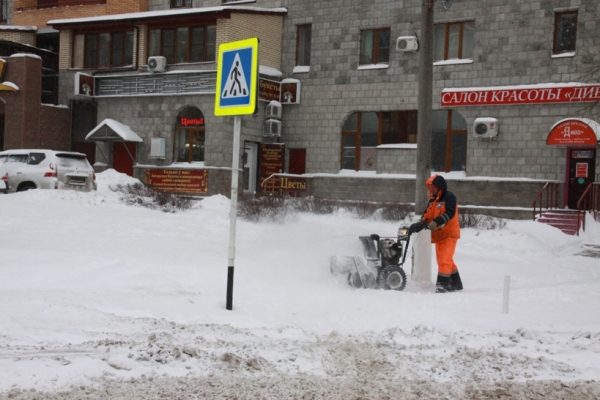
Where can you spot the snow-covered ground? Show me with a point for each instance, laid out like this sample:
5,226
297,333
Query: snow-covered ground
99,299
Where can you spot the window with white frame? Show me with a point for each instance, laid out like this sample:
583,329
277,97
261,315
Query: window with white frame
454,41
374,46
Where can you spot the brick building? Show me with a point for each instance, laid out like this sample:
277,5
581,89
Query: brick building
512,84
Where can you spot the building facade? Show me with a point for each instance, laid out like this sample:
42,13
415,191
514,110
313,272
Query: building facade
516,88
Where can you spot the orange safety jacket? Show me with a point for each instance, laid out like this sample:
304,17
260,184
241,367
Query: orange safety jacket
444,210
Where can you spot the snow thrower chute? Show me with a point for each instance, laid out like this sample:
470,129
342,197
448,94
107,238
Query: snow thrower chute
381,266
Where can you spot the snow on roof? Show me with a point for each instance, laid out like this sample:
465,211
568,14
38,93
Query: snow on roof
25,28
165,13
269,71
10,86
110,130
26,55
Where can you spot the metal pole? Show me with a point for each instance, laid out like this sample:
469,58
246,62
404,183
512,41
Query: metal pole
424,113
235,165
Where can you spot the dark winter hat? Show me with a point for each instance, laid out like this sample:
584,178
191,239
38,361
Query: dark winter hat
440,182
437,181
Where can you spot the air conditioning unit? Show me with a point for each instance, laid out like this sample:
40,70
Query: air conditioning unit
272,127
485,127
273,110
157,63
407,43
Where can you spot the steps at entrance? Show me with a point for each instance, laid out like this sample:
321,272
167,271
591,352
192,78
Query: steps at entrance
563,219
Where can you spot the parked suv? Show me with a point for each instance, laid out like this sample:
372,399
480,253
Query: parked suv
46,169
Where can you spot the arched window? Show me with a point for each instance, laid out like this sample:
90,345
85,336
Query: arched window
189,135
448,141
362,132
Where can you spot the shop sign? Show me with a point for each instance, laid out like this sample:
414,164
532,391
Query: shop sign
271,162
572,132
498,96
581,170
292,184
191,122
187,181
84,84
268,90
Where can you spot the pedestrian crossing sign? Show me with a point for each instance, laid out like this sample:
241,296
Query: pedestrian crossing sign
237,78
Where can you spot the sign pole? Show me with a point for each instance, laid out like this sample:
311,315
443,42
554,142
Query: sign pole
235,165
235,95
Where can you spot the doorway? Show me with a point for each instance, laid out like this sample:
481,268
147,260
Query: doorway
250,158
581,171
124,157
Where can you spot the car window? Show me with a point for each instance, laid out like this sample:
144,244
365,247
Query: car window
21,158
3,158
35,158
72,161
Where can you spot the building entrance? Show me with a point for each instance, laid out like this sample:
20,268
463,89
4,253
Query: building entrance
581,169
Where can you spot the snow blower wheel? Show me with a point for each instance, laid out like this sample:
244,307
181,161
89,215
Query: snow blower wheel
394,278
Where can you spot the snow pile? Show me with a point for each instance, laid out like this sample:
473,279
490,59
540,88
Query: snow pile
99,299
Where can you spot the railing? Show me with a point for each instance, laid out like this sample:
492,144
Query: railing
274,184
545,199
589,201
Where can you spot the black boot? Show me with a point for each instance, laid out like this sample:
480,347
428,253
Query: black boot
455,281
443,284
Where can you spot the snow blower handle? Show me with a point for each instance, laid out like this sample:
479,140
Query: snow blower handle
404,233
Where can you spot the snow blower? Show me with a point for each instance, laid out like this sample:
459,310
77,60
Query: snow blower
381,266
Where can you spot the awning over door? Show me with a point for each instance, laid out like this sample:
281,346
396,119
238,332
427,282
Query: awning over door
110,130
574,132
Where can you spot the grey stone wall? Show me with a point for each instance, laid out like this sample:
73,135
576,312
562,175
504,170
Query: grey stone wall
513,46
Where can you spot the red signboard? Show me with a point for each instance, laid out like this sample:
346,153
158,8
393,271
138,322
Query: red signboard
185,121
581,170
268,90
572,132
520,95
271,162
188,181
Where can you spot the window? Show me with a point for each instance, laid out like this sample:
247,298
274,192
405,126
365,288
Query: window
183,44
103,50
448,141
189,136
303,38
375,46
181,3
3,10
565,32
362,132
454,40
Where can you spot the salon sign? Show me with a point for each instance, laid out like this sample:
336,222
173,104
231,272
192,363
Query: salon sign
524,94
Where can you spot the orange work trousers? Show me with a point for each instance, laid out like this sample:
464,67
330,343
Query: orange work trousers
444,253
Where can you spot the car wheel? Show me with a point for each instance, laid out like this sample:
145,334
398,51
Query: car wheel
25,186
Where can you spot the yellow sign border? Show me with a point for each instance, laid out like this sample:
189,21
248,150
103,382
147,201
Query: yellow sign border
222,111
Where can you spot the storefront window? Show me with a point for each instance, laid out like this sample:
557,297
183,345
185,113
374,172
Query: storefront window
362,132
449,141
189,136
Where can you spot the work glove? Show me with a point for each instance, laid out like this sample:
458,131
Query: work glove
433,225
417,227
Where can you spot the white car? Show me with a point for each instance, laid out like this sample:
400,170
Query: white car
24,169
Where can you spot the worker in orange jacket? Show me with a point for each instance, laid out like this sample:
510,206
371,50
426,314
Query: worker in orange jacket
441,216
